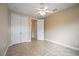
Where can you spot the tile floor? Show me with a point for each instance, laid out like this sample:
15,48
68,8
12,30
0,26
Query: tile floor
40,48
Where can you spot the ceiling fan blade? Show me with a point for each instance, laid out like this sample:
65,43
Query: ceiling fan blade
49,11
38,9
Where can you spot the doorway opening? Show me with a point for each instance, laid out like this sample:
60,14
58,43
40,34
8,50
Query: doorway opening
34,29
37,29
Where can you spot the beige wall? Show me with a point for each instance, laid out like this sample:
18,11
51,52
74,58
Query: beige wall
4,28
34,28
63,26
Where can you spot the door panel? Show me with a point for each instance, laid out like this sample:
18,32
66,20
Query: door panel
24,29
40,29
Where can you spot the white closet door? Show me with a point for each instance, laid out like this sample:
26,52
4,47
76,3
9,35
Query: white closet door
25,29
40,29
20,29
15,29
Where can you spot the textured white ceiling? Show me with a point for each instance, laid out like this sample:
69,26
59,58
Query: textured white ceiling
29,8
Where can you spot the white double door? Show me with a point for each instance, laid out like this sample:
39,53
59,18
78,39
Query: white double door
20,30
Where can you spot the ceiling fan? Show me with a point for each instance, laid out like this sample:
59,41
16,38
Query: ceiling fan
43,11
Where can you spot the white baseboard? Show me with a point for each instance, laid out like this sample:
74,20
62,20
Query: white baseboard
19,43
11,45
6,50
62,44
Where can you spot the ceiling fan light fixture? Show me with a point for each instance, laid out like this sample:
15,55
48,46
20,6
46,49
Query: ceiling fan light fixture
42,13
43,10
